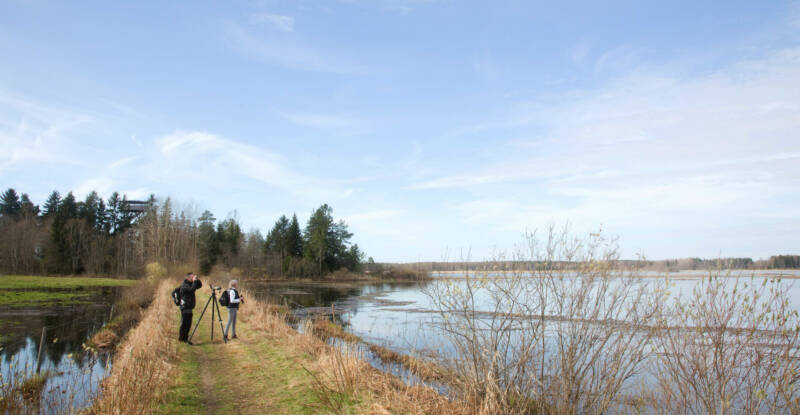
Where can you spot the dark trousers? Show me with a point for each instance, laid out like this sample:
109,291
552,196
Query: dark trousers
186,324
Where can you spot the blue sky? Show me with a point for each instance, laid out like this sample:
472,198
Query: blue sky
432,127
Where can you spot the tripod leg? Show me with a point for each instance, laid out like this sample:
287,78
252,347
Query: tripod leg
200,318
219,316
213,304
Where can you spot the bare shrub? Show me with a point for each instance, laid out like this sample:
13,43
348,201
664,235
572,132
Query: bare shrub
561,333
730,346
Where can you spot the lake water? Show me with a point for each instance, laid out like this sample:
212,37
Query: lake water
400,316
74,374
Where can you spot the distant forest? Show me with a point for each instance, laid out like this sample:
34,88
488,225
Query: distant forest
684,264
120,237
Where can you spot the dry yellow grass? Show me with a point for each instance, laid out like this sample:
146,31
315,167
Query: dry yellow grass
146,364
343,374
143,363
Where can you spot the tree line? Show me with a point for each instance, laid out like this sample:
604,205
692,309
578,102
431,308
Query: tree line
117,236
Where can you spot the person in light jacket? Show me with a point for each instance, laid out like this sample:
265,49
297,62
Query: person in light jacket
233,308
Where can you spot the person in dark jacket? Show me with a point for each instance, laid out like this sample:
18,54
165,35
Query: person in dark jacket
233,307
189,286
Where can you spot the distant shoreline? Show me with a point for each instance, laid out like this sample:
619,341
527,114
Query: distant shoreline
685,274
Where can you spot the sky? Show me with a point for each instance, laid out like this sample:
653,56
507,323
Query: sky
437,130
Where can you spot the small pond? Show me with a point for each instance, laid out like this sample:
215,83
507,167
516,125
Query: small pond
68,318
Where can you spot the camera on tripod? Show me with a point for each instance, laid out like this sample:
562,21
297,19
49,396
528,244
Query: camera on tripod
215,307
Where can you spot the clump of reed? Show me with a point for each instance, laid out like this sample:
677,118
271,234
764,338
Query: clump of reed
21,391
325,329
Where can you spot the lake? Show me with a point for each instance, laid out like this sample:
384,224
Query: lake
400,316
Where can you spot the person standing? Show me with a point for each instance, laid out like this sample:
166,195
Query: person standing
234,299
187,300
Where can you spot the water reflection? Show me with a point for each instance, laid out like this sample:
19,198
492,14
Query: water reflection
74,374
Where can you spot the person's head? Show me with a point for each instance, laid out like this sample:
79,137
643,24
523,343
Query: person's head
233,284
190,276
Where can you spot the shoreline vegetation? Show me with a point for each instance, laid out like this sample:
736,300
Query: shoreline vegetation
272,368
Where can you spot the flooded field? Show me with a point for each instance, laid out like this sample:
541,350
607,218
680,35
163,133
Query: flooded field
44,331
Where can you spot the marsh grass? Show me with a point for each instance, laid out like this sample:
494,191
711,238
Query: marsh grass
19,299
8,282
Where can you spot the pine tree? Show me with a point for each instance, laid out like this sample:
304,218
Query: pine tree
113,214
52,204
10,205
316,235
277,238
209,244
93,211
230,236
327,242
68,208
294,239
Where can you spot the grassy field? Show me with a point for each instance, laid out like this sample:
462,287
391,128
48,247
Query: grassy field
13,282
26,290
39,298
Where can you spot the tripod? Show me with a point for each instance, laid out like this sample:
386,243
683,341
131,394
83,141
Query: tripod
212,299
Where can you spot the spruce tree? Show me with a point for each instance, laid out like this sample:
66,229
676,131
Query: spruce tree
10,204
68,208
209,244
294,239
113,214
52,204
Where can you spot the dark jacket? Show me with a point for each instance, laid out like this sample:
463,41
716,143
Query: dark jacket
234,298
187,294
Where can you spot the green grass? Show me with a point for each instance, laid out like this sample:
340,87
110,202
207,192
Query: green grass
27,281
183,397
41,298
251,375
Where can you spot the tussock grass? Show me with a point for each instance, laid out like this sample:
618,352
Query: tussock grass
426,371
344,381
325,329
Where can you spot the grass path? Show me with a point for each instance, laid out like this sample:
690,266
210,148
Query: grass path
246,375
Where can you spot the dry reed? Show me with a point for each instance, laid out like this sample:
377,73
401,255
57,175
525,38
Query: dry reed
143,362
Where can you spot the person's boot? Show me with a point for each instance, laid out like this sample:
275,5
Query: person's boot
234,337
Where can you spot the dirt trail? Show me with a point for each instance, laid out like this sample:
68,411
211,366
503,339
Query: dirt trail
246,375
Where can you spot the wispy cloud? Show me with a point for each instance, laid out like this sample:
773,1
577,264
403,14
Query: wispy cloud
287,52
32,132
202,157
279,22
648,150
330,122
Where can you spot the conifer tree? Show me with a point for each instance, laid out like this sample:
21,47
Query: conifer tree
52,204
209,244
277,238
10,204
294,239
